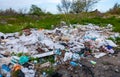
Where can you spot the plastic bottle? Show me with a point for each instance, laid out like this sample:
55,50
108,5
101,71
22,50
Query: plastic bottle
1,75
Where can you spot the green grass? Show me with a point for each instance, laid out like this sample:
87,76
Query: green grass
17,23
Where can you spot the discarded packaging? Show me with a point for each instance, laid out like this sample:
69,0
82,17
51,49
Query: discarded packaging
23,60
98,55
17,67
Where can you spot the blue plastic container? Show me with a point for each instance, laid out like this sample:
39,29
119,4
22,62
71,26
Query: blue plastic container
73,63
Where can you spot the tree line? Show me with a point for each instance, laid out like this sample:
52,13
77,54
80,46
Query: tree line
64,7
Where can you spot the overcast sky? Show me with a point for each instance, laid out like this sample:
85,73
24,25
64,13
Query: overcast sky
50,5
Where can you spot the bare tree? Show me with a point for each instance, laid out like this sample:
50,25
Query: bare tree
89,4
82,5
64,7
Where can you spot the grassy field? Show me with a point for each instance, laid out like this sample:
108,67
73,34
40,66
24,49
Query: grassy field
17,23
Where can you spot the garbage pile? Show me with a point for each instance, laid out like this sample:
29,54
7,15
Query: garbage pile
65,43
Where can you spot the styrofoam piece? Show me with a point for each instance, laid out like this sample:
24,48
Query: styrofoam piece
52,45
44,54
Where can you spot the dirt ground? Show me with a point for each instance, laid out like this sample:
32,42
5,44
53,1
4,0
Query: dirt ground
107,66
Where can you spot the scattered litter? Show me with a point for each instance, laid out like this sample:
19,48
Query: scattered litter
65,44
